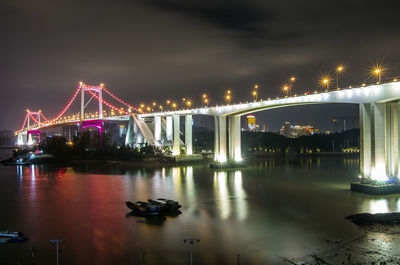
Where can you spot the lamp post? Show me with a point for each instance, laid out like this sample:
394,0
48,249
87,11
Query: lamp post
255,92
203,98
255,95
339,69
378,73
191,241
56,242
286,89
292,80
325,82
228,97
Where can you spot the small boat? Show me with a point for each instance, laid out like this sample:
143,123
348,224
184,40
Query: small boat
12,237
163,205
143,208
171,204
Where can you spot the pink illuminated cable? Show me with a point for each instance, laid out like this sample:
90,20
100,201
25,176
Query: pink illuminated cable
41,114
117,98
105,102
35,120
68,105
23,125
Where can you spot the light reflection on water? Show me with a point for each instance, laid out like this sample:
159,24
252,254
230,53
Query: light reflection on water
271,208
229,193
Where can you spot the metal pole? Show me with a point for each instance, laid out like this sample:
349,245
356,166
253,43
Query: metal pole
100,102
29,119
56,241
191,241
337,79
82,103
57,250
191,256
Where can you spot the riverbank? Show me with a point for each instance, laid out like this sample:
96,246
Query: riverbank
367,248
378,244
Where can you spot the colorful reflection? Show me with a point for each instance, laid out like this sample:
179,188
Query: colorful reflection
230,195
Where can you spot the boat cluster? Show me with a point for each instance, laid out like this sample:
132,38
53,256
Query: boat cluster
10,237
153,207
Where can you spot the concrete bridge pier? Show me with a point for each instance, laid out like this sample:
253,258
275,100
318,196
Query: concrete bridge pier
188,135
234,132
220,138
168,127
379,141
157,130
176,150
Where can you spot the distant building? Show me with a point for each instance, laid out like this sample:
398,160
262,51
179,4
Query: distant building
264,128
340,124
286,130
297,130
251,123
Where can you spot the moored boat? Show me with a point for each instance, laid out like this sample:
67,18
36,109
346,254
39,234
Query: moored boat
143,208
11,237
171,204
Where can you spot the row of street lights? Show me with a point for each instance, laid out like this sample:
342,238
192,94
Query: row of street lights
287,87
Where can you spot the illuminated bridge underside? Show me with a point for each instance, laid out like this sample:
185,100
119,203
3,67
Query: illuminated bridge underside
379,126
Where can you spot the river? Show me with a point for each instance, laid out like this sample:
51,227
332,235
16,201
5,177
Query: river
270,209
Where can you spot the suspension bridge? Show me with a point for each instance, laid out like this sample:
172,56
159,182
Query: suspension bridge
378,107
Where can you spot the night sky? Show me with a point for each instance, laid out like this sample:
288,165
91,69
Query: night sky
157,49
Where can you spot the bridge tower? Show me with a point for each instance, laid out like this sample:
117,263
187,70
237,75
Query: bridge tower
96,89
36,120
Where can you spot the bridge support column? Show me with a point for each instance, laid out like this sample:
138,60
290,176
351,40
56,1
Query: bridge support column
139,139
365,140
168,129
220,138
235,151
176,150
157,130
392,139
188,134
379,140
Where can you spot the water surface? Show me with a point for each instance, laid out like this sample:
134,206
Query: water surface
270,209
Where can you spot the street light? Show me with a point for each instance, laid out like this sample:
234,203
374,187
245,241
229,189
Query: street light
255,95
377,71
228,99
203,99
286,89
325,82
56,242
339,69
189,103
191,241
174,105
